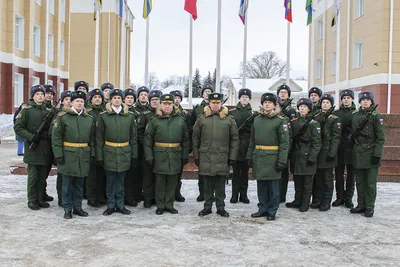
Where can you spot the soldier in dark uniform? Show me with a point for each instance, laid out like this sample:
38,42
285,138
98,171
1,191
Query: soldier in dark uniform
315,94
147,170
73,145
345,149
196,112
215,148
142,103
367,152
82,86
106,88
305,150
166,147
240,179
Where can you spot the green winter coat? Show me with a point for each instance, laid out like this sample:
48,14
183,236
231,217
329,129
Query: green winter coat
116,128
290,111
304,155
240,114
142,121
268,130
346,144
372,143
215,141
26,124
315,108
94,111
73,128
164,129
139,108
197,111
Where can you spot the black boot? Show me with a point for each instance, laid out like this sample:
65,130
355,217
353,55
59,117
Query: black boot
304,208
338,202
131,203
325,206
172,210
200,198
244,199
179,198
223,213
159,211
270,217
33,205
205,212
259,214
43,204
315,203
369,212
80,212
147,203
47,198
123,211
357,209
108,211
234,198
67,215
349,203
294,204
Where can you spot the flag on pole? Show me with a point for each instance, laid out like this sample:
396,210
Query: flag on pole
147,6
191,8
97,7
336,11
309,11
288,10
243,10
121,8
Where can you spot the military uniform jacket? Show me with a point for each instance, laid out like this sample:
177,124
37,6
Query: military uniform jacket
215,141
271,131
116,128
371,144
142,121
166,130
197,111
26,124
315,109
331,131
289,111
304,156
77,129
346,144
240,114
94,111
139,108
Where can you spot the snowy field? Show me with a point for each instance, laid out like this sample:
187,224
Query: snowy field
333,238
6,127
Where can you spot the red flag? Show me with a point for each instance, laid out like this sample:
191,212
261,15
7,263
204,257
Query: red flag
288,10
191,7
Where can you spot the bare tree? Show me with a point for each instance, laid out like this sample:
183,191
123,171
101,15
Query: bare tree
174,80
265,66
154,83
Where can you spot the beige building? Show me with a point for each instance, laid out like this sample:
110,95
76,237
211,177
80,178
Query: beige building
361,52
100,50
34,48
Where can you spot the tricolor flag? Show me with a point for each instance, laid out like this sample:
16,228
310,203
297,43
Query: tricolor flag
191,8
97,7
336,11
288,10
309,11
147,6
243,10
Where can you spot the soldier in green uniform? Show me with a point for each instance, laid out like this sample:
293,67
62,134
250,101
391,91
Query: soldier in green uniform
215,148
240,179
39,158
96,179
147,170
142,103
166,148
106,88
267,154
331,130
345,150
116,148
73,146
306,146
50,94
196,112
369,139
82,86
315,94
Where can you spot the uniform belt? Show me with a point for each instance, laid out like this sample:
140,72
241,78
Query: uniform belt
167,144
268,147
116,144
75,144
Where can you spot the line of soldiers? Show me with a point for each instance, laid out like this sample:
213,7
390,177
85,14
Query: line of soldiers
119,147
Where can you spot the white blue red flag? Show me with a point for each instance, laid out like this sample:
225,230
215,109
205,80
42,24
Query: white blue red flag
243,10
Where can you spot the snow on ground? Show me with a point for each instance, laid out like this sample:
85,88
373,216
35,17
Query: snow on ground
6,127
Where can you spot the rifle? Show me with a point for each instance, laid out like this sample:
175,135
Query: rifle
326,115
288,104
225,100
248,120
298,137
357,132
45,124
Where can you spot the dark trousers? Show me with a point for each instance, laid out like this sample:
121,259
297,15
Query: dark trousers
303,189
341,192
240,180
115,189
165,190
366,180
36,181
149,180
283,184
133,188
59,187
96,182
179,183
201,185
323,191
214,184
72,192
268,196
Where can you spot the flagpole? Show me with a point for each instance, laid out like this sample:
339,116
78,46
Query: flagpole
245,49
288,54
337,67
190,93
218,69
146,62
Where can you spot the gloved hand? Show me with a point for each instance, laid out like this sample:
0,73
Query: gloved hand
197,162
375,160
250,163
231,162
35,138
134,163
329,158
185,161
280,166
150,162
310,162
60,160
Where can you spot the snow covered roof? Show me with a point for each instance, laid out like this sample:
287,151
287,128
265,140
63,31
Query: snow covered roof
259,86
173,87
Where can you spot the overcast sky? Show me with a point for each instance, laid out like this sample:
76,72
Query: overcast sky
169,36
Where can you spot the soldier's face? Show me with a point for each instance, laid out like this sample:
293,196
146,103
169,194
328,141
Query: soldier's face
325,105
116,101
143,97
347,101
38,97
268,106
78,104
303,110
215,106
283,94
366,103
166,107
97,100
49,97
130,100
67,101
177,100
106,93
82,88
244,100
154,102
314,97
206,93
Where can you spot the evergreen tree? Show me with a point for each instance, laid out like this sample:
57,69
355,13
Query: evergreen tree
214,78
186,89
196,84
208,80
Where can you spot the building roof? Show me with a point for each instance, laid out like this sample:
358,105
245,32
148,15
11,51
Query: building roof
259,86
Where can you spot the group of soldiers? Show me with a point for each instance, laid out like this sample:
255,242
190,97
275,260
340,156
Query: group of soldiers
120,147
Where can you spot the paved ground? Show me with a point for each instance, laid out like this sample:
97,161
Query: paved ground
336,237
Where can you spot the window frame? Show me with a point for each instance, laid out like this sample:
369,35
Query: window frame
36,41
318,66
18,89
61,54
358,55
320,30
358,8
62,10
50,48
19,38
52,7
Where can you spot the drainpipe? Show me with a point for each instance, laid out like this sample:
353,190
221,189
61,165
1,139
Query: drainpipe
389,92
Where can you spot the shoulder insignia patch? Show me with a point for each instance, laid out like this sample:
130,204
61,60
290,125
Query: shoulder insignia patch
61,113
339,125
285,127
318,130
380,121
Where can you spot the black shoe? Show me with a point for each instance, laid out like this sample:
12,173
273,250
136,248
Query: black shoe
147,204
234,199
357,209
205,212
108,211
47,198
43,204
315,204
325,207
33,205
259,214
349,203
304,208
270,217
159,211
84,196
80,212
223,213
293,204
173,210
123,211
283,200
153,202
338,202
245,200
179,198
369,212
93,203
67,215
200,198
131,203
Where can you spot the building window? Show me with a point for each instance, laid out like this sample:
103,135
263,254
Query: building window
38,2
18,89
62,10
51,7
358,8
61,53
357,54
19,32
61,88
35,81
50,47
334,63
319,68
49,82
36,41
319,30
